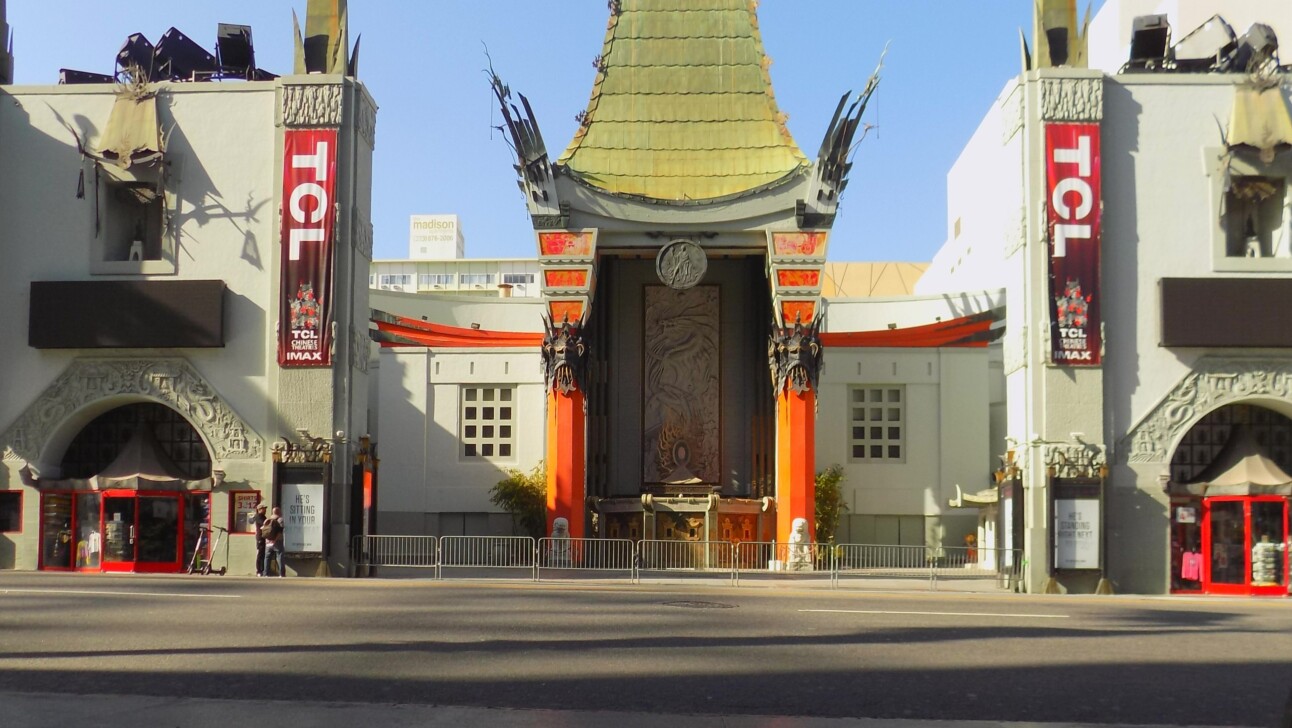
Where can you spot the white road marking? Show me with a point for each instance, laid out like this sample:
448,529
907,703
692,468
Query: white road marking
119,593
939,614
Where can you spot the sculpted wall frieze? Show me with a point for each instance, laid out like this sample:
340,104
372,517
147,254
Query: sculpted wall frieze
1072,99
1214,382
170,381
312,105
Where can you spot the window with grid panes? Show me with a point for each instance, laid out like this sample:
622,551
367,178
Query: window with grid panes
876,423
488,422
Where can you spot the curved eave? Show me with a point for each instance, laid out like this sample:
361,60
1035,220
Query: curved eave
798,174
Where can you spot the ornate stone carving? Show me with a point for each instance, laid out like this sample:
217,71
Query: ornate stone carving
1214,382
1012,117
1014,350
359,350
1076,460
362,233
565,357
794,355
366,120
682,390
799,553
312,105
309,449
1072,99
681,264
1016,239
172,382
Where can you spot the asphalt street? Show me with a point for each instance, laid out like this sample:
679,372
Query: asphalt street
692,650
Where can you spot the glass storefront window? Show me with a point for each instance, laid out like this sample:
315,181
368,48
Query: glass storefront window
158,529
1186,545
1268,544
89,542
197,513
1228,543
56,531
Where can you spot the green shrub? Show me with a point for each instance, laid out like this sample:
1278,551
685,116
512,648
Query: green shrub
524,496
830,503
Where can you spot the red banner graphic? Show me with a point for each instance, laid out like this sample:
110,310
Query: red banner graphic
308,237
1072,188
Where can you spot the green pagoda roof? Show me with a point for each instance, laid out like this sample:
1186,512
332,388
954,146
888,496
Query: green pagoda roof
682,107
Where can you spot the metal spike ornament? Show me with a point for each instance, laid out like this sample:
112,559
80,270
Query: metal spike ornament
794,356
564,356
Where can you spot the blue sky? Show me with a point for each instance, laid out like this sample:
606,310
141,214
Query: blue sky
436,151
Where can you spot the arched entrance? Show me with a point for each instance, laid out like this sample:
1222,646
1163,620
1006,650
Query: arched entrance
134,494
1230,485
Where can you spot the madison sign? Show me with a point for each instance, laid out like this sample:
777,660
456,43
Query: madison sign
308,239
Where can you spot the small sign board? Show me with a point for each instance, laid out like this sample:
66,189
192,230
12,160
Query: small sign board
1076,533
244,511
303,520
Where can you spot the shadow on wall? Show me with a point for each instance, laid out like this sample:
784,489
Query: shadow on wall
1137,527
1120,250
205,203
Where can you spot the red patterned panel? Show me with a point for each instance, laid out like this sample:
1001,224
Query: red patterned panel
562,311
799,245
565,278
798,278
801,311
565,244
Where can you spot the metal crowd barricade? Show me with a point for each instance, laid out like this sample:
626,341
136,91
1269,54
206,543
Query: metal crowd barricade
1001,567
369,552
769,557
486,553
676,558
885,562
580,556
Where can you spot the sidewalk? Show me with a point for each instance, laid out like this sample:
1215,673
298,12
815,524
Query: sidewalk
47,710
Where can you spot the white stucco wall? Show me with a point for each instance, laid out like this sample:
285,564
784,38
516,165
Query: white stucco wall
946,437
1161,146
984,203
221,140
424,472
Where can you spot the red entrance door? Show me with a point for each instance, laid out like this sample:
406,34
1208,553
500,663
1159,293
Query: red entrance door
141,531
1244,545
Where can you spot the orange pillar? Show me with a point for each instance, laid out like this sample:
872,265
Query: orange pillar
566,464
795,461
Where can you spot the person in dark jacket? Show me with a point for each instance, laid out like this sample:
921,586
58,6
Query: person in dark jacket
260,539
273,533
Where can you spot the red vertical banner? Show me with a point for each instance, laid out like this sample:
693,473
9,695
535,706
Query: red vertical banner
1072,188
308,240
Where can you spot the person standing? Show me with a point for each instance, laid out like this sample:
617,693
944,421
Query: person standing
259,520
273,531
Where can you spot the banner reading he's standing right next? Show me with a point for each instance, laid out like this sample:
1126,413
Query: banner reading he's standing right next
1072,188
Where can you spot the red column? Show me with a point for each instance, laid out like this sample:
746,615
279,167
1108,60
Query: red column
566,462
795,461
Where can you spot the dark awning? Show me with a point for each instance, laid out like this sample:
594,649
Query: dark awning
142,459
1240,468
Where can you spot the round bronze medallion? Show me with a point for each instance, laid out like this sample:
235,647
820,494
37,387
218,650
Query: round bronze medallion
681,264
